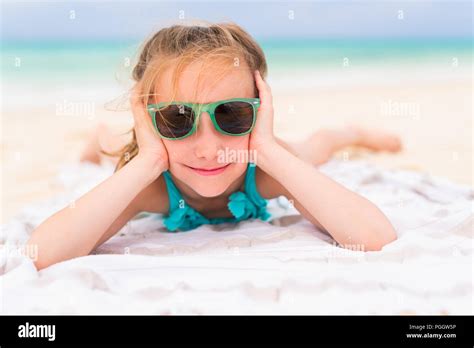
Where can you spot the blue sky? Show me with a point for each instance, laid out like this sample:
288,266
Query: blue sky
264,19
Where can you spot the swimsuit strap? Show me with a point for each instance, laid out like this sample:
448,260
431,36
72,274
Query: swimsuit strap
251,186
173,193
242,205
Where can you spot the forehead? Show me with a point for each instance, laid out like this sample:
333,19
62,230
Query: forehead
206,83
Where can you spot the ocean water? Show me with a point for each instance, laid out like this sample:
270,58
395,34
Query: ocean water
87,59
84,69
363,52
57,59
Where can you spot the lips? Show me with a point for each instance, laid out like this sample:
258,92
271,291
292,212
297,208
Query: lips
209,171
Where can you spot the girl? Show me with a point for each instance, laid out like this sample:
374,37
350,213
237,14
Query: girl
199,102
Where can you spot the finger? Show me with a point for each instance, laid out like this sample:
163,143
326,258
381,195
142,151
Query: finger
260,78
139,110
135,102
266,98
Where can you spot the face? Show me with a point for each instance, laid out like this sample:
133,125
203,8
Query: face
206,148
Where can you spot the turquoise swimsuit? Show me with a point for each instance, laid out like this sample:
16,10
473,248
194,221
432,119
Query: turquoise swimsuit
243,205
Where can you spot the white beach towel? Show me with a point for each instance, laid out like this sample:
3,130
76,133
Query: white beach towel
283,267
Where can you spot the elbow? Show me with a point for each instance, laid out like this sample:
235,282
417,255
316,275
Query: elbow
39,261
40,264
380,239
37,253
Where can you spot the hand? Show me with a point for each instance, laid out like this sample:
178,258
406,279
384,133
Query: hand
262,136
150,144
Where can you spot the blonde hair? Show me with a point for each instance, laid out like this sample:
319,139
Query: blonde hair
179,45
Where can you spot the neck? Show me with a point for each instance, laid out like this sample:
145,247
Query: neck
195,199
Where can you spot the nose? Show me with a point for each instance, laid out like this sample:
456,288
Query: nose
207,138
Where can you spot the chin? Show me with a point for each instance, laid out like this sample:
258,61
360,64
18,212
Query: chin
208,186
212,185
206,191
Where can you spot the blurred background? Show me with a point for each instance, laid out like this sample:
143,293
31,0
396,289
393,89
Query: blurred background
402,66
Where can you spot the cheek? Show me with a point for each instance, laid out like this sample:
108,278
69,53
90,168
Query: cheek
238,142
235,150
179,149
176,149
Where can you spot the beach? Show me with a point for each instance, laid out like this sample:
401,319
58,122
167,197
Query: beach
46,121
385,66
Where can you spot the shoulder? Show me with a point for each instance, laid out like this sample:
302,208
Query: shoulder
267,186
154,197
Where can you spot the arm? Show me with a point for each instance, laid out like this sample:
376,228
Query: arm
270,188
153,199
348,217
76,230
100,213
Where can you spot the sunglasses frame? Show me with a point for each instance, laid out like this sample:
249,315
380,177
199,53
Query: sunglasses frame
198,109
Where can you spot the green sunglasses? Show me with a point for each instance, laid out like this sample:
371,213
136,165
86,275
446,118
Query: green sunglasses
177,120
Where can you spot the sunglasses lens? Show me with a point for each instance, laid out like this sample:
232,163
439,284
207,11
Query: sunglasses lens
174,121
235,117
